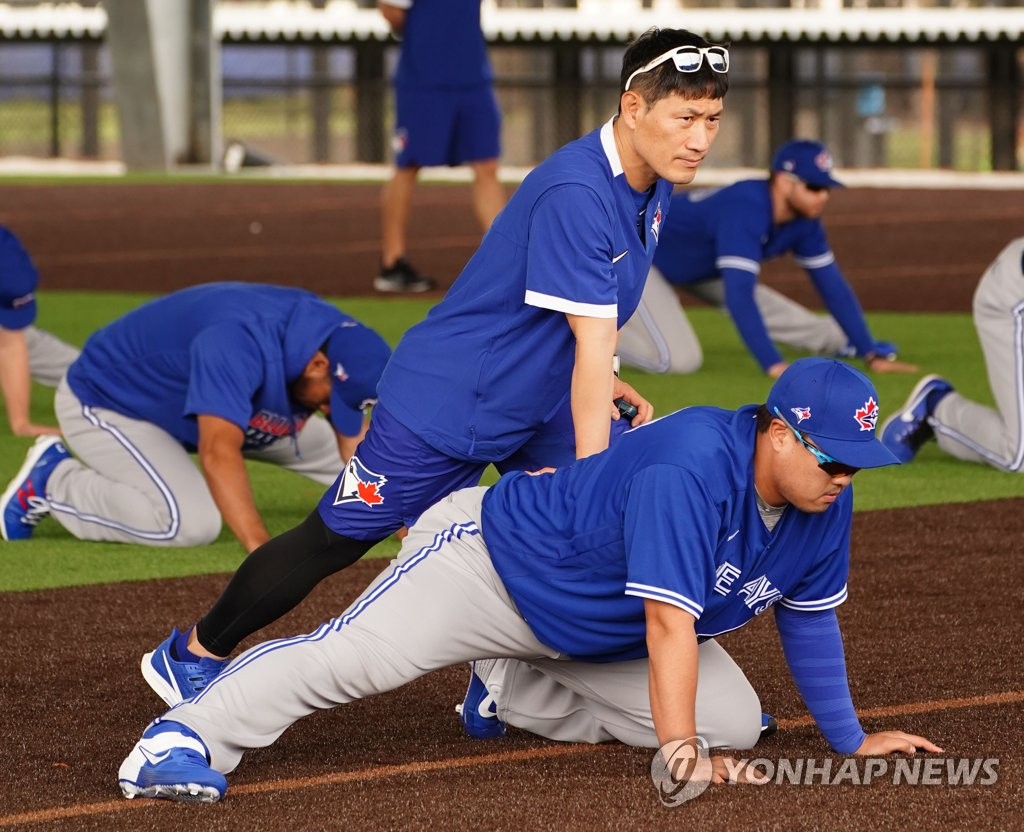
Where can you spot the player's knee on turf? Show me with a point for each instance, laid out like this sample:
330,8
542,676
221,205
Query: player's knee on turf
199,527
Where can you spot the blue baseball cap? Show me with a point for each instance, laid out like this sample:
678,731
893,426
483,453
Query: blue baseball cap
809,161
834,404
357,355
18,281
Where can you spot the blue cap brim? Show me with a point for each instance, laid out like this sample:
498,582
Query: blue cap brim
861,453
18,318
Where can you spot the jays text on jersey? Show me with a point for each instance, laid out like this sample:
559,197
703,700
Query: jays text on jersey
493,360
668,513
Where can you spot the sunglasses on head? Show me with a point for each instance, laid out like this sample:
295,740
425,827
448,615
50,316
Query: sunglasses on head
830,465
688,59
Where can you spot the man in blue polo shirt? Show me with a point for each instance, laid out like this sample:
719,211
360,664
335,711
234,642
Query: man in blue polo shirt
713,245
231,370
515,366
614,575
446,113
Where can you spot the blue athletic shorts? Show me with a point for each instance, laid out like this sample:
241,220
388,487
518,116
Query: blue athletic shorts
446,127
394,476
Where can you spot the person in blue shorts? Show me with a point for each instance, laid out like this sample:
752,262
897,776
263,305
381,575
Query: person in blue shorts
515,366
232,371
609,579
446,113
713,246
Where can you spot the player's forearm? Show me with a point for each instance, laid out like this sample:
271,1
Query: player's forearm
742,308
592,383
672,648
842,304
15,382
813,646
229,484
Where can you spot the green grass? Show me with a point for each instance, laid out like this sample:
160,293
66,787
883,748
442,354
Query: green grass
939,343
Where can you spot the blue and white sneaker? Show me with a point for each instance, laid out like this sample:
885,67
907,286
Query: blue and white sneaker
909,428
175,681
170,762
478,711
24,502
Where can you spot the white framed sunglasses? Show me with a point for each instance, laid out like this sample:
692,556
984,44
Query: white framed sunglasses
688,59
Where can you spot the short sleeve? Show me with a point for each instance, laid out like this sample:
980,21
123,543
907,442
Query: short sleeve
824,585
225,371
671,531
811,251
569,259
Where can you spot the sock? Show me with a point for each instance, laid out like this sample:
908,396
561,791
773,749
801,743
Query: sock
179,648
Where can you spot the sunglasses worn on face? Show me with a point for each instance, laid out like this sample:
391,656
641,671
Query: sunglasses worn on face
688,59
830,465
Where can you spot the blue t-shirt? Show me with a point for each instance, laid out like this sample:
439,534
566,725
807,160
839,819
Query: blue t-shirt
443,45
221,349
728,232
493,360
669,513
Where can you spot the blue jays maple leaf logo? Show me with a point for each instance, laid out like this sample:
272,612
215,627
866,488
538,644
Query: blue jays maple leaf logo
867,415
360,484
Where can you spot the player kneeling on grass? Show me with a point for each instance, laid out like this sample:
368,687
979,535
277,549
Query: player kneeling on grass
608,579
231,370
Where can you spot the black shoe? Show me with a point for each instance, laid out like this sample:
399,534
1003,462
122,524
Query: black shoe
402,277
769,726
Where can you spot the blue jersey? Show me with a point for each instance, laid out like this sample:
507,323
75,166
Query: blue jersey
222,349
728,232
668,513
442,45
492,362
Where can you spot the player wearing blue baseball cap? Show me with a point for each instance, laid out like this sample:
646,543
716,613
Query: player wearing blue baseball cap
26,352
713,245
228,370
605,582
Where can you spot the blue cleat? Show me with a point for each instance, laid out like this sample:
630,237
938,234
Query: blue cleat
478,712
909,428
175,681
170,762
24,502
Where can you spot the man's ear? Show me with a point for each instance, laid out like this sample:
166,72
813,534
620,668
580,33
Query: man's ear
317,364
630,105
777,433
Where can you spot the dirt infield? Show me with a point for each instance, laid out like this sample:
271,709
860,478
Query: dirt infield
901,249
931,649
930,626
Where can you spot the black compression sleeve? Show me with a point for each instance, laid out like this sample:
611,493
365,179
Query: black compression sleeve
274,579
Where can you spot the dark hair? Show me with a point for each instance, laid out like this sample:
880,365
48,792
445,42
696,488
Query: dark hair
764,418
665,80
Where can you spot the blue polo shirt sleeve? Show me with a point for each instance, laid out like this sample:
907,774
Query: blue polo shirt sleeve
225,371
670,532
569,260
823,586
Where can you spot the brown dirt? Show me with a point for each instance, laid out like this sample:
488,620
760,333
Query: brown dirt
930,622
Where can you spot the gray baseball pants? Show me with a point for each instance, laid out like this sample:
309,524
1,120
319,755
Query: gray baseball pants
660,339
969,430
132,482
48,356
439,603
